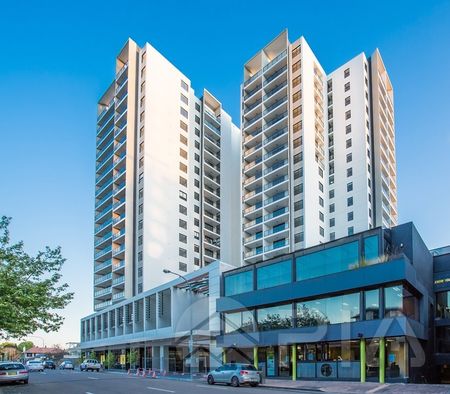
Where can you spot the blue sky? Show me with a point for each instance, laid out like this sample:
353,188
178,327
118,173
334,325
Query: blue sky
56,58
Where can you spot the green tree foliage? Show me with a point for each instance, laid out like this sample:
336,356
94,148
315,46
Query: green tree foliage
110,360
25,344
30,288
132,358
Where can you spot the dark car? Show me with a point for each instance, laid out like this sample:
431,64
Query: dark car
49,364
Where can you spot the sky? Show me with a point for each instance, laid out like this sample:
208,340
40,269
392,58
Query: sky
57,57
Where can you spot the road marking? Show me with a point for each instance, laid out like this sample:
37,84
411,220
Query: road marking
88,392
91,377
166,391
377,388
211,387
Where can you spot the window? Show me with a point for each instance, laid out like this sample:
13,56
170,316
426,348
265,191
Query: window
276,317
141,177
197,107
196,261
321,186
238,321
332,208
348,114
183,181
141,132
349,186
197,170
182,266
350,216
142,102
297,111
183,153
296,66
141,193
142,87
196,196
443,305
346,72
182,223
183,195
349,172
196,235
197,119
183,126
349,157
296,51
321,172
347,87
296,96
182,252
274,274
321,201
350,230
183,140
347,100
196,183
321,231
321,216
183,167
140,256
184,99
348,143
185,86
196,209
238,283
332,222
331,180
297,142
140,224
182,238
141,147
296,81
349,201
332,236
140,240
196,248
297,127
197,132
371,251
183,112
328,261
372,302
331,193
141,162
298,221
182,209
141,208
348,129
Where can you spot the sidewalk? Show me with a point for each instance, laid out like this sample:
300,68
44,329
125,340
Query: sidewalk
357,387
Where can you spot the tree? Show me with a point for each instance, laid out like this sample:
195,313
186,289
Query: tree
25,344
110,360
132,358
30,288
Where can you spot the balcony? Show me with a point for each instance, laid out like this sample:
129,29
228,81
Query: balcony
100,177
275,60
101,305
276,104
118,235
105,111
254,222
216,143
275,135
275,151
99,215
254,237
102,279
252,78
273,76
253,164
254,252
251,121
118,188
276,166
276,197
118,250
102,226
100,164
253,208
253,193
258,175
103,239
274,90
252,92
105,266
116,266
212,127
103,292
120,73
252,106
99,192
277,245
118,281
99,203
102,253
118,296
276,213
276,229
275,120
102,128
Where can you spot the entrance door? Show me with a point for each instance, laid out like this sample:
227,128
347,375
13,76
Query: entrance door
284,361
271,362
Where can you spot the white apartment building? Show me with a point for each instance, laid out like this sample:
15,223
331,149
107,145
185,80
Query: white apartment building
167,178
318,151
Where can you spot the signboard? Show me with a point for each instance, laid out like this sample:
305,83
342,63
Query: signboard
270,362
102,358
123,359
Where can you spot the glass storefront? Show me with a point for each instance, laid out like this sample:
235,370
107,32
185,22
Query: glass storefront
443,305
372,302
399,301
274,274
241,282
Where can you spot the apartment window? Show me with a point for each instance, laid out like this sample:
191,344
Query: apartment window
143,56
297,142
332,208
350,216
182,252
197,119
321,186
349,186
140,224
367,125
321,231
368,139
368,167
183,181
183,112
298,189
183,126
143,72
296,66
196,209
182,238
182,224
196,235
141,208
182,266
321,216
332,222
321,172
321,201
347,87
331,193
183,140
296,96
297,127
141,177
184,99
185,86
296,81
197,132
183,195
196,196
182,209
331,168
298,205
367,110
183,167
196,261
365,66
196,183
349,157
346,72
348,114
349,172
331,180
348,143
142,102
140,256
368,153
370,198
332,236
298,157
347,100
141,147
350,230
141,116
298,221
197,145
348,129
296,51
183,153
141,132
298,173
297,111
197,170
330,140
366,81
349,201
196,222
141,162
142,87
140,240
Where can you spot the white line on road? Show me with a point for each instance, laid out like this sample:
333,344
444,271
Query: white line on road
166,391
377,389
88,392
91,377
210,387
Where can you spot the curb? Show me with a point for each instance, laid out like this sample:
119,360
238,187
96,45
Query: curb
309,389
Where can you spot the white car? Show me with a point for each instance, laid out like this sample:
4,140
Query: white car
35,365
12,371
90,365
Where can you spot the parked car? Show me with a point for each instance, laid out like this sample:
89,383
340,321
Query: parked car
90,365
49,364
235,374
35,365
66,365
12,371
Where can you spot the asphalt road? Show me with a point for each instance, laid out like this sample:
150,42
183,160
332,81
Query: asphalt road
76,382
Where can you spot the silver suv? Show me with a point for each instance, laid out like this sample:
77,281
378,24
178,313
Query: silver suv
90,365
235,374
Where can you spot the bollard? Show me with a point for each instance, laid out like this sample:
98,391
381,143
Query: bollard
154,375
129,372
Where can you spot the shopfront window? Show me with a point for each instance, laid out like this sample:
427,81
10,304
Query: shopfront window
238,283
340,309
396,358
443,305
274,274
276,317
328,261
443,339
238,322
372,301
371,250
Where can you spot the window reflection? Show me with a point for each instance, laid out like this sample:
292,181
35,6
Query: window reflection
371,254
276,317
238,283
238,321
399,301
274,274
443,305
372,301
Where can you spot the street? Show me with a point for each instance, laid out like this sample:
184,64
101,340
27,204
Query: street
76,382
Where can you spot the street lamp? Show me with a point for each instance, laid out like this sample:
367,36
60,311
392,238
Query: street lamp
191,338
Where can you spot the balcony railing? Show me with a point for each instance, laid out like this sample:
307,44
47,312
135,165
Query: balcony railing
275,120
118,265
99,165
275,135
102,252
275,151
252,78
104,238
275,60
103,225
275,182
254,222
277,245
275,105
252,92
276,89
275,74
102,292
254,252
276,229
252,120
105,264
103,278
276,197
101,305
118,296
254,105
277,165
211,126
121,248
100,202
276,213
119,280
253,193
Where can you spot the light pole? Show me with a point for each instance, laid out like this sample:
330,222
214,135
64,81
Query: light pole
191,338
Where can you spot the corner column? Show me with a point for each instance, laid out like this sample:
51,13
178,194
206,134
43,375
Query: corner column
382,359
362,352
294,362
